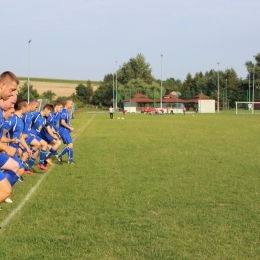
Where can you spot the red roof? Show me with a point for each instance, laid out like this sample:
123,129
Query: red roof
139,100
139,95
171,100
197,98
170,96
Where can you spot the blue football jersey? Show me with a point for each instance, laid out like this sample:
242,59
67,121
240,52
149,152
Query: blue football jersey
27,119
2,120
56,120
38,123
49,122
15,127
64,115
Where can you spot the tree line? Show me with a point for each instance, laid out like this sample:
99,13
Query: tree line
135,76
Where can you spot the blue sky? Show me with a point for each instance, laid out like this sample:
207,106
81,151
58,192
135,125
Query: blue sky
82,39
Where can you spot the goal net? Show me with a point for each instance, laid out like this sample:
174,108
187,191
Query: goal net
247,107
42,103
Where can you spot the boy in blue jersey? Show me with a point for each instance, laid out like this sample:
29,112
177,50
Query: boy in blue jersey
54,144
30,140
65,130
8,87
13,129
58,106
12,134
39,121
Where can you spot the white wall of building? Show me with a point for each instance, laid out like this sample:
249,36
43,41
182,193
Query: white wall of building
130,109
206,106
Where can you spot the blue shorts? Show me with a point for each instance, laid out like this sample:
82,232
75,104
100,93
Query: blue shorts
17,159
29,139
3,159
38,138
66,138
46,137
2,176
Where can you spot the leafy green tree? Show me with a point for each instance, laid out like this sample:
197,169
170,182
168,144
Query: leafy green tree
78,103
62,98
139,86
49,95
135,68
23,92
254,72
171,84
84,93
89,91
103,95
108,78
187,87
81,93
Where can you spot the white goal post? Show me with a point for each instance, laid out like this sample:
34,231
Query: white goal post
247,107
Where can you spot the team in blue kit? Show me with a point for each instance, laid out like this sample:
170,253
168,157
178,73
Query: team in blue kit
25,134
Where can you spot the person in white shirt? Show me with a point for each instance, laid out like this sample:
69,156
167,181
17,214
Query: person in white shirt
111,111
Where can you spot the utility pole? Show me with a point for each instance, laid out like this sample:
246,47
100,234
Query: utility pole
29,71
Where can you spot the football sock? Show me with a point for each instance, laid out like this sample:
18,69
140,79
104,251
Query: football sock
42,156
11,176
31,161
70,154
65,150
50,153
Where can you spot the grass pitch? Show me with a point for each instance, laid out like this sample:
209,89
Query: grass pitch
147,187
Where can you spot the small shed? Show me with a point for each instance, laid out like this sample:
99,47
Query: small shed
204,103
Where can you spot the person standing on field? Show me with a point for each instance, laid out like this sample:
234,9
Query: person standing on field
111,111
184,110
171,111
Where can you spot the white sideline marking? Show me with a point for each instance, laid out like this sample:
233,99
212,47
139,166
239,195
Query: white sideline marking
33,189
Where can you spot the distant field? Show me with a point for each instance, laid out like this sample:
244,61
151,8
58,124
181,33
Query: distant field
58,86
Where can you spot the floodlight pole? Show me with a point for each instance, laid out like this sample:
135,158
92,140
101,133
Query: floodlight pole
161,79
113,90
254,84
226,94
29,71
218,87
253,98
116,85
248,85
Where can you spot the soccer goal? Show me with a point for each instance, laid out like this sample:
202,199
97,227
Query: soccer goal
42,103
247,107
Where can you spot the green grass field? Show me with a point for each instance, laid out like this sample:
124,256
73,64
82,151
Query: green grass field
146,187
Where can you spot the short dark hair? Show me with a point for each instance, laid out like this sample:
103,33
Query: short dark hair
33,101
21,102
8,76
58,103
49,107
